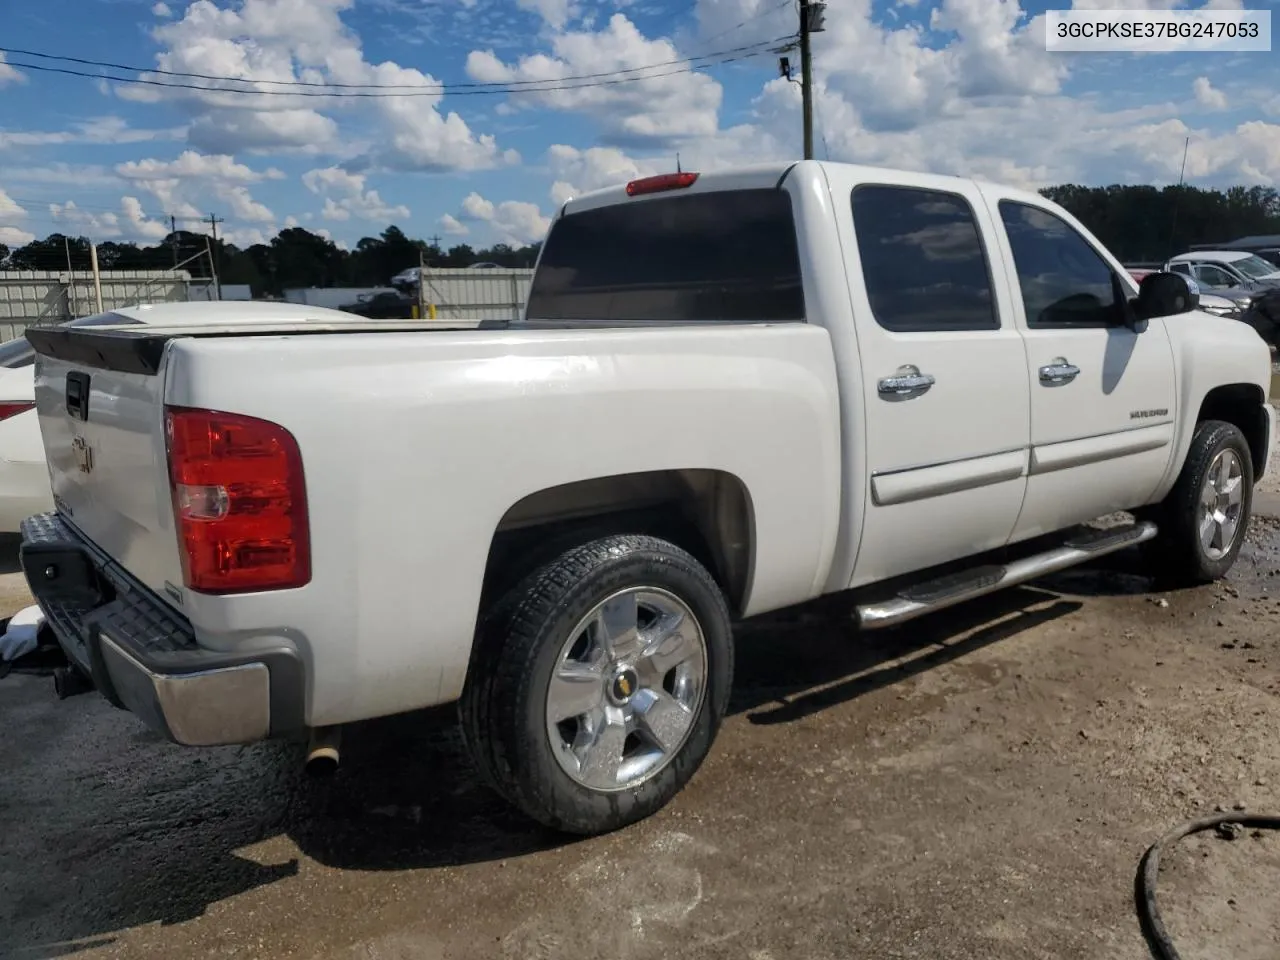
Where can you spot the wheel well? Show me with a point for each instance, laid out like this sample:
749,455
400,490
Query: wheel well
706,512
1240,404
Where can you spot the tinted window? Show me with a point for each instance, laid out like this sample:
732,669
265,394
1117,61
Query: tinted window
1253,267
727,256
922,260
1064,281
1212,276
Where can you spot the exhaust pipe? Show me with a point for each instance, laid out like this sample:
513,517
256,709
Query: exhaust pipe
70,682
323,751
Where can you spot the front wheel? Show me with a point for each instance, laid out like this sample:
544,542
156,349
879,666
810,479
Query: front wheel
599,683
1204,518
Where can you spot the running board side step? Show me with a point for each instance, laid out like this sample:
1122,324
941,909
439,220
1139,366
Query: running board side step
953,588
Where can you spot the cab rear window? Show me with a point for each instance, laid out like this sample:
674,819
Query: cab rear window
727,257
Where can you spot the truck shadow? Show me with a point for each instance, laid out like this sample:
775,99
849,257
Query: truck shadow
163,832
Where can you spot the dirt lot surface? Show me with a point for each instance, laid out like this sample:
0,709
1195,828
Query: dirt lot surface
977,785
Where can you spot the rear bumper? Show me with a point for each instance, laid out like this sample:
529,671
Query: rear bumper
143,657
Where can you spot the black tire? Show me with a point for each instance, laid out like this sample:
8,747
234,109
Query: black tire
1177,555
519,642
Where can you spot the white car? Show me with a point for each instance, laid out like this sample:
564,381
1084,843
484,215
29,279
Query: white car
1222,269
728,394
24,475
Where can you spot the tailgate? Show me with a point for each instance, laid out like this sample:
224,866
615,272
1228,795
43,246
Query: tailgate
103,432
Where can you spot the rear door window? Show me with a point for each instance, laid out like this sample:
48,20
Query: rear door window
721,257
923,261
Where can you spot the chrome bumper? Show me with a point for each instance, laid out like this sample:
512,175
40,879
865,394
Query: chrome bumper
143,657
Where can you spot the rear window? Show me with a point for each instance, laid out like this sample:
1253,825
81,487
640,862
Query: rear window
727,257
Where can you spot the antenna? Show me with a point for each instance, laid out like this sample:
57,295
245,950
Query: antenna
678,170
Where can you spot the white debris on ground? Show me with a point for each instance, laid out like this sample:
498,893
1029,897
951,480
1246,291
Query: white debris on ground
21,636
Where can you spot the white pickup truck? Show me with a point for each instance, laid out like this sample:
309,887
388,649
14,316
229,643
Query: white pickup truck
730,393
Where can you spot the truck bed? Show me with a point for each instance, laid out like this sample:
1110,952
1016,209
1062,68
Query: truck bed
418,444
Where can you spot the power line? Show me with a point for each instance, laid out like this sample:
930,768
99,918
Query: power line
472,88
93,207
759,16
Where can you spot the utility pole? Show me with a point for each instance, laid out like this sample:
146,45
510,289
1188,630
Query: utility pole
812,13
173,238
213,220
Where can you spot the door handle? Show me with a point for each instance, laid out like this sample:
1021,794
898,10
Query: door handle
1058,372
906,383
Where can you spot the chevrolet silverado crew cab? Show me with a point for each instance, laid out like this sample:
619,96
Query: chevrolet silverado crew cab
729,393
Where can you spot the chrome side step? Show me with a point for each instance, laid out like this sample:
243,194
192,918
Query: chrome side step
953,588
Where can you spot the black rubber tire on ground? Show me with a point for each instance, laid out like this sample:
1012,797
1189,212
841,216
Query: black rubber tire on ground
502,710
1176,555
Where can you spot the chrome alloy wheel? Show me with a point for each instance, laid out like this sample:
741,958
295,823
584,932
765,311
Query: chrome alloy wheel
1221,504
627,687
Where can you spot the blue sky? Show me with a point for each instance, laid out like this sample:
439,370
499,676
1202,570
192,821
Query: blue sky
957,86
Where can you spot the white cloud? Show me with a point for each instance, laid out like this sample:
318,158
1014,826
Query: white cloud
9,75
192,165
556,12
162,10
579,171
477,207
987,101
108,129
9,208
514,222
345,196
130,224
57,172
94,225
139,224
306,40
12,235
243,205
651,111
304,131
15,236
1207,95
453,226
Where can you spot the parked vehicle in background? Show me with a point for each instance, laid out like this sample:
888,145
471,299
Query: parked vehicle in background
1226,268
24,473
1246,279
729,393
383,306
407,280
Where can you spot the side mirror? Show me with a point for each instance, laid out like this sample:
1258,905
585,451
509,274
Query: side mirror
1164,295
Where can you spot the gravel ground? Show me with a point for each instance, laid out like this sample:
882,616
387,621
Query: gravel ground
980,784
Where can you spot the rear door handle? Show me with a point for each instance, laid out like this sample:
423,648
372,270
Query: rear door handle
906,383
1058,372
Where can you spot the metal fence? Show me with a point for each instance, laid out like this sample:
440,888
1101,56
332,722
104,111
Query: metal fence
461,294
34,297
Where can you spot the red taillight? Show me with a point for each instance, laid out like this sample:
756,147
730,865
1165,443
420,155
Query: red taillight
663,181
239,501
8,410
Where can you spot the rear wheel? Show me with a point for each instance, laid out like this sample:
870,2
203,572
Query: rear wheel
599,683
1204,518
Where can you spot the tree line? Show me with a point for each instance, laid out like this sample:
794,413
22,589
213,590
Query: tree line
295,257
1137,223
